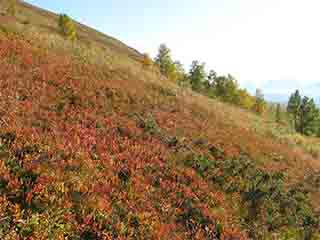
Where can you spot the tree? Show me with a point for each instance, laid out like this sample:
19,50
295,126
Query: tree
305,114
12,8
308,117
293,107
209,91
278,113
164,61
210,79
260,103
197,75
67,27
146,61
180,74
226,88
212,76
245,99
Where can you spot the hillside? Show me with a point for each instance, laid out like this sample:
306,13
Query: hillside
94,145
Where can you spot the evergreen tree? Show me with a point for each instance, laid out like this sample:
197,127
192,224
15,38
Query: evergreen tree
293,107
226,88
212,76
210,79
165,62
232,90
305,114
197,75
207,84
308,117
278,113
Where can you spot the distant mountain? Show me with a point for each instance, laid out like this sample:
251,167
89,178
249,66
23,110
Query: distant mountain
283,98
278,98
280,90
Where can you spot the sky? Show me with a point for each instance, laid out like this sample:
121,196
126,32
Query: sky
268,44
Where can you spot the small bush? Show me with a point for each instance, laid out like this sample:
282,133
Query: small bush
200,163
124,175
7,138
148,124
25,22
151,125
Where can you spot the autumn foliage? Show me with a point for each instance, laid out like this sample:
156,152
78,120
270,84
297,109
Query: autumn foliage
85,154
71,166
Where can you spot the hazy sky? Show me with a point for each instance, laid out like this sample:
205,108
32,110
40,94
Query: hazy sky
273,44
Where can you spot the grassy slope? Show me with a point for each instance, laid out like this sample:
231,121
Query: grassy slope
108,142
47,20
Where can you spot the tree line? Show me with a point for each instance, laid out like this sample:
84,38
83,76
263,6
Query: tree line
303,112
224,88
